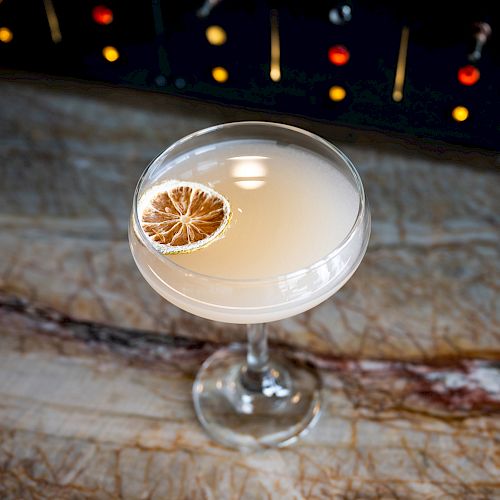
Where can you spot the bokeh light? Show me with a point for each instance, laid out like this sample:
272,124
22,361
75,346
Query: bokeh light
102,14
460,113
338,55
6,35
337,93
220,74
216,35
468,75
110,53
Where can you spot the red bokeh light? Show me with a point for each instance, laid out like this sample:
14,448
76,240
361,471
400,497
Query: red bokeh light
338,55
102,14
468,75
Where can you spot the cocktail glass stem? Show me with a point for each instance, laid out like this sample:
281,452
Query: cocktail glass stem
256,376
258,354
263,382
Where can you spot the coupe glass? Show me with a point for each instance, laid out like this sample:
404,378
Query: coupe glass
250,397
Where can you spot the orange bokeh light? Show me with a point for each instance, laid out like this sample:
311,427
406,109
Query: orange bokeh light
338,55
468,75
102,14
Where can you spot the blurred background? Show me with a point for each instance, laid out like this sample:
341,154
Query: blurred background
421,69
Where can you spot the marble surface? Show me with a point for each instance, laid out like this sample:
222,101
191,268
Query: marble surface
96,369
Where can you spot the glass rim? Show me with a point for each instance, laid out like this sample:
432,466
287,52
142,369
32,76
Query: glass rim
278,277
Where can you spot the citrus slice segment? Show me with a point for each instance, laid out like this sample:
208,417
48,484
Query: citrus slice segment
180,217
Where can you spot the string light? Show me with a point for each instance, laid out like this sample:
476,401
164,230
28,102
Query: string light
399,78
110,53
275,66
53,20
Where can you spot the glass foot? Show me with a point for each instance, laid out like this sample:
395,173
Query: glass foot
240,413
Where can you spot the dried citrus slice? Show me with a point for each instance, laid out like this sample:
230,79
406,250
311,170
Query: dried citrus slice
180,217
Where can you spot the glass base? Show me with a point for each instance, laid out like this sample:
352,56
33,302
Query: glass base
235,414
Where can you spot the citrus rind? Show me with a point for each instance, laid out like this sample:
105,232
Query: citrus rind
149,199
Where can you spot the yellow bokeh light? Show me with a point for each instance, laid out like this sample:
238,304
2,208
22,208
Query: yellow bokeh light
337,93
460,113
6,35
220,74
110,53
216,35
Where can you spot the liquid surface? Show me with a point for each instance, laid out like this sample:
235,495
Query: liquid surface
290,208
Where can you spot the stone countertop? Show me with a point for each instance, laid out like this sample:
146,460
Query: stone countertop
96,369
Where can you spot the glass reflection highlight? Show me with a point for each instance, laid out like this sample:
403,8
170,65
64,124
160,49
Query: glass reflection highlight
249,171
